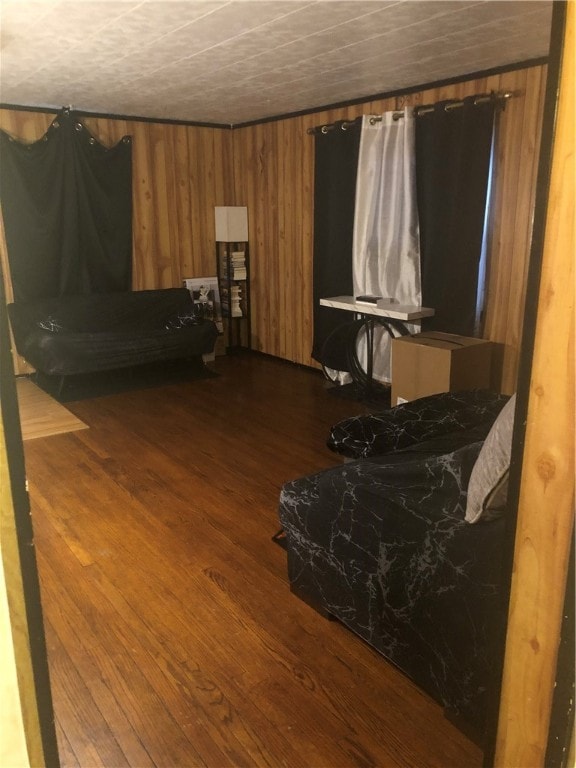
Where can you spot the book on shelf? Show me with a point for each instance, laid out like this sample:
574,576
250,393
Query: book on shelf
233,266
238,265
235,296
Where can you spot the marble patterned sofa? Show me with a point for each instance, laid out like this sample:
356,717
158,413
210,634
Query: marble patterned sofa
381,543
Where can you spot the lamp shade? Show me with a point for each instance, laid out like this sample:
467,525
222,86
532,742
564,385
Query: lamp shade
231,224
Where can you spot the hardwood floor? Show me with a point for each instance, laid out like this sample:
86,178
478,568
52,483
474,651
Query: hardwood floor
173,638
40,414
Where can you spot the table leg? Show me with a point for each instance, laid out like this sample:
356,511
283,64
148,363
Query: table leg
369,330
390,325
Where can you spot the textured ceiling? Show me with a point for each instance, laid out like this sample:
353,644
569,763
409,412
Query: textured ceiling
233,62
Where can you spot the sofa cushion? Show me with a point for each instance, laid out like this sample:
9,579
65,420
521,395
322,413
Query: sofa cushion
132,311
410,423
488,486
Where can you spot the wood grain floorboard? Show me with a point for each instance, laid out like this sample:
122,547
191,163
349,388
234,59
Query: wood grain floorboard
173,638
40,414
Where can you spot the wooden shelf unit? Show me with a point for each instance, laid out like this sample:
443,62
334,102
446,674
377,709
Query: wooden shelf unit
233,263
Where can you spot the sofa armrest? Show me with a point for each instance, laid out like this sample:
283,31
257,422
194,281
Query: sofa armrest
411,423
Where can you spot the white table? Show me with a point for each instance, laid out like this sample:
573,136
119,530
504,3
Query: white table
388,313
405,312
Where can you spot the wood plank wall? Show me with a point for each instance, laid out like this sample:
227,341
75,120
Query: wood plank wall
179,174
19,707
274,175
545,525
182,172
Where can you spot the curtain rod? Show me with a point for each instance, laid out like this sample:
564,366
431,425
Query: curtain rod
421,110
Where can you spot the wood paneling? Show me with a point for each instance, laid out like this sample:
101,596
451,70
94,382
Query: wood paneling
19,712
546,505
274,177
182,172
179,174
25,734
512,213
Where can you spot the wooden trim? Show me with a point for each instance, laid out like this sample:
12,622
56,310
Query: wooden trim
18,563
339,105
110,116
13,746
546,505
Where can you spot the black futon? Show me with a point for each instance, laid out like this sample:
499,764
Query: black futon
84,334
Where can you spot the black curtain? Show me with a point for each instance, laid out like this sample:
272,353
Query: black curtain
336,162
67,208
453,148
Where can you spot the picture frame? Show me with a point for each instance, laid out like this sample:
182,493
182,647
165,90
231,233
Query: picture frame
205,294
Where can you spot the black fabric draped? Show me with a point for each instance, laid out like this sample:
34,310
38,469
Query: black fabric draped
67,208
453,148
336,162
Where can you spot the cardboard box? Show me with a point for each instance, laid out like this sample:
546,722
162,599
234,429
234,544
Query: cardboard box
432,362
